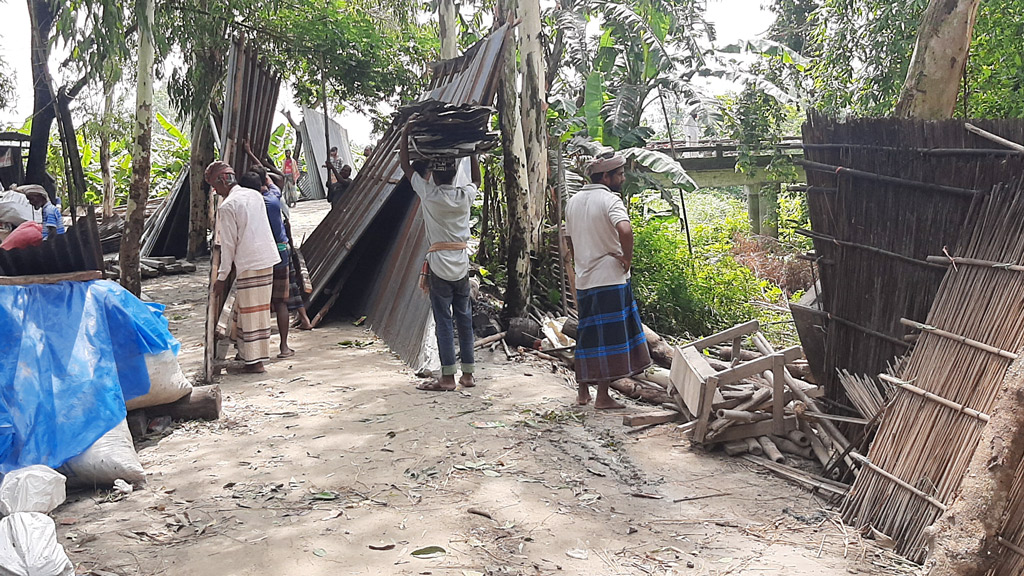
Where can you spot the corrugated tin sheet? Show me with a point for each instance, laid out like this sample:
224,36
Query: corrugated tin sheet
314,150
76,251
250,97
383,279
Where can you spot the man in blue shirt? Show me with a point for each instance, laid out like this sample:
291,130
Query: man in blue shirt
279,296
53,222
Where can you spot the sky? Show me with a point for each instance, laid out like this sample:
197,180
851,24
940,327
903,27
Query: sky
733,20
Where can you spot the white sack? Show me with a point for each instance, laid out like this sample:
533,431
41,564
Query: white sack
167,383
109,458
32,489
28,547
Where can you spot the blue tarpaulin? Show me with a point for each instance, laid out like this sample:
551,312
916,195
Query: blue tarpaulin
70,355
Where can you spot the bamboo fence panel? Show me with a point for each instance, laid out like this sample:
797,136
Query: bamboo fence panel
870,289
928,444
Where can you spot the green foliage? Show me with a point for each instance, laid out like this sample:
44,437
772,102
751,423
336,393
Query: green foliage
862,53
609,80
995,73
691,296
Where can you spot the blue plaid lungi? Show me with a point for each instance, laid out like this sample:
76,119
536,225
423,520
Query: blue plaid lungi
610,340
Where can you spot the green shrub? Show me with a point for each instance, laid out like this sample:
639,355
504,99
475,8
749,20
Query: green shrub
686,296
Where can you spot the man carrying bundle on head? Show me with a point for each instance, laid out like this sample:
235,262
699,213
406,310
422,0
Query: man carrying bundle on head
610,343
446,219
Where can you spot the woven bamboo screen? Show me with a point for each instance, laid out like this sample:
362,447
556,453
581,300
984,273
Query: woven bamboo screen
883,195
923,446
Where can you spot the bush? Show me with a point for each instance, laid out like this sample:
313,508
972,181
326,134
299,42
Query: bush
692,296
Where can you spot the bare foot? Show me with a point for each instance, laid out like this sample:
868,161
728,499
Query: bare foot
609,404
604,401
286,353
583,395
256,368
467,381
305,325
442,384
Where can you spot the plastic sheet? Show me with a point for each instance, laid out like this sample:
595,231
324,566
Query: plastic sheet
73,353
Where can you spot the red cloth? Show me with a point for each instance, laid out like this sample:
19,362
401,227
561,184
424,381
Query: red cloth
25,235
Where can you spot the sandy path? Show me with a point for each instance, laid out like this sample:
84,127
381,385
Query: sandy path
334,451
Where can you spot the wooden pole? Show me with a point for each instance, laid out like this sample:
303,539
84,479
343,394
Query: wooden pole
958,338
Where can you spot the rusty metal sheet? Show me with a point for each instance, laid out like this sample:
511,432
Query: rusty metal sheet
395,308
76,251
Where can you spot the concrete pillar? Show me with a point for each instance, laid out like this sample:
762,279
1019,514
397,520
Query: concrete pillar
753,191
768,209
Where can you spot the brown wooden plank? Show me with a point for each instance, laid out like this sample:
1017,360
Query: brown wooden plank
651,418
763,428
737,331
83,276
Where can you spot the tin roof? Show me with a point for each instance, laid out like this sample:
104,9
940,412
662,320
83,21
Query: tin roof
381,278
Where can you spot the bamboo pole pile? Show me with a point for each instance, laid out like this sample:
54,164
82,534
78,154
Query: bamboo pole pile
881,202
931,429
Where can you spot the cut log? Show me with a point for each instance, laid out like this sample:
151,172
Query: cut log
492,338
753,446
790,447
636,390
771,451
799,438
570,328
735,448
743,416
661,351
203,403
651,418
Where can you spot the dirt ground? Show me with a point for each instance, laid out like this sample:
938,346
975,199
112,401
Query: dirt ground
333,463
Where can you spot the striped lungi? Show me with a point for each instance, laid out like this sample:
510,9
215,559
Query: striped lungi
280,289
610,340
252,314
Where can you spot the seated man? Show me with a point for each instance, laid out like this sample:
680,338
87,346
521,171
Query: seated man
53,222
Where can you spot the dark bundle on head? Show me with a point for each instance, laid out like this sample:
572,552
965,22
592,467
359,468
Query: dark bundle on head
421,167
444,170
443,176
251,180
261,172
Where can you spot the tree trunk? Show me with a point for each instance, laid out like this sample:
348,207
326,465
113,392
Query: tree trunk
105,134
199,206
964,540
43,109
933,79
517,290
448,29
534,116
131,240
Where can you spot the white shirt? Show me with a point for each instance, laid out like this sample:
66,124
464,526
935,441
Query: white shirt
245,236
590,219
446,219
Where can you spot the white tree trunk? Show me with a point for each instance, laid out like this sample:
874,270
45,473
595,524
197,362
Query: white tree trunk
131,240
933,80
517,290
534,114
448,29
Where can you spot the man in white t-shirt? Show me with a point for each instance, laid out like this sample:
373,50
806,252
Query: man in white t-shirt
445,209
610,340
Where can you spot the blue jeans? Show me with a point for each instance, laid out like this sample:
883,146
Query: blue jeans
446,298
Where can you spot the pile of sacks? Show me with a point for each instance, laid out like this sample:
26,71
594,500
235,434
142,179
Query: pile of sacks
28,537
